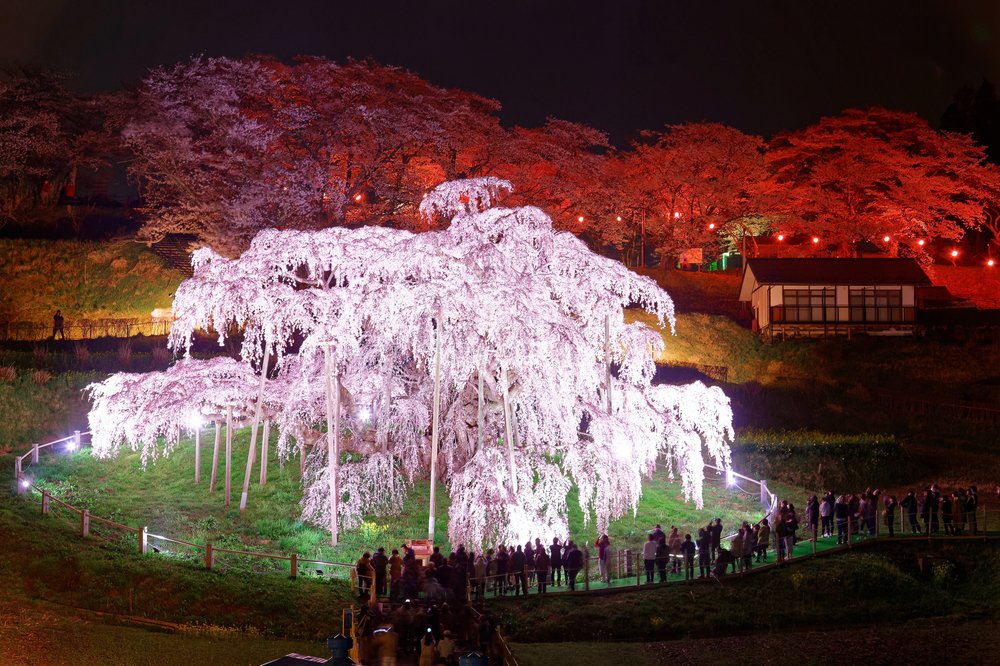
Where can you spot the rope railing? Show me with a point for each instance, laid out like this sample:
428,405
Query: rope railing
85,329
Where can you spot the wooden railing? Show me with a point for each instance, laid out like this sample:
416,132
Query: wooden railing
85,329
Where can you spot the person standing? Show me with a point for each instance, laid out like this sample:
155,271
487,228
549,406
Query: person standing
604,557
842,512
704,551
716,537
365,574
573,563
763,538
395,574
736,547
556,561
542,568
674,546
379,563
971,506
517,566
57,325
662,557
687,551
910,505
649,556
890,514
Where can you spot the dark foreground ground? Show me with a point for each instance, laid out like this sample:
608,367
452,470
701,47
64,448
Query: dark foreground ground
949,639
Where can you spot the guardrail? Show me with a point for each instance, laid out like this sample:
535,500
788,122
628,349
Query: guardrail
85,329
210,551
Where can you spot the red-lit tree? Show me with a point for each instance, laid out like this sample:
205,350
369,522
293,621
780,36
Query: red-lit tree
228,147
699,185
865,175
47,133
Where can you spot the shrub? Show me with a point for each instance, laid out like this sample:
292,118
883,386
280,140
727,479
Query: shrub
821,460
161,356
124,352
41,377
81,353
7,373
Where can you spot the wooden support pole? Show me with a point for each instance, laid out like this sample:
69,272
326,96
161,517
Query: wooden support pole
295,565
209,556
143,540
265,440
229,455
215,459
18,476
34,454
76,439
45,502
332,440
435,417
253,436
85,523
197,454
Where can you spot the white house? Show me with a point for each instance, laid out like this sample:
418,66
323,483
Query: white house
819,297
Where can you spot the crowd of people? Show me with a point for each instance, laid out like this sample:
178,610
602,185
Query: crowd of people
430,632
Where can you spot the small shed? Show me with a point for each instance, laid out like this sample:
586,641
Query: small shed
816,297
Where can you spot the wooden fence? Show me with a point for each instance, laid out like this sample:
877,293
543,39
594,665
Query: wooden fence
86,329
84,520
975,412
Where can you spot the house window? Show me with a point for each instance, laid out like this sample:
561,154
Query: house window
812,304
876,305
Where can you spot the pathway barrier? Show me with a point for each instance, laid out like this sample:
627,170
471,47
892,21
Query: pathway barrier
86,329
627,574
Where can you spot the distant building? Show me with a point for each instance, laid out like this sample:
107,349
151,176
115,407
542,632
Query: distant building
816,297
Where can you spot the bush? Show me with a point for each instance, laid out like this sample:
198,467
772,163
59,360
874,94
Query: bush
41,377
7,373
821,460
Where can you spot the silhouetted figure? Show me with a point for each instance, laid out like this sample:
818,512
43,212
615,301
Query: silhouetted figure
57,325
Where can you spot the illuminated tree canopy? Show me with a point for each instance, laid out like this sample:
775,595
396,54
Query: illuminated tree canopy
528,323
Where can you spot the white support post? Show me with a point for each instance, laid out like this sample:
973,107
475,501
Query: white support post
143,540
45,502
197,454
607,358
229,455
253,436
332,440
763,493
508,434
76,439
18,476
265,440
435,417
215,459
34,454
85,523
480,416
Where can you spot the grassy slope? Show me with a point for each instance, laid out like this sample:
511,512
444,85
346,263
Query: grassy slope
881,585
84,280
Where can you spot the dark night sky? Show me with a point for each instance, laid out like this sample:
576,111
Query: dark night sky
617,65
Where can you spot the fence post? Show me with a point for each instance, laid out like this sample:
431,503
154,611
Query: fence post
850,523
209,556
34,454
295,565
815,536
76,439
45,502
586,569
18,476
763,492
143,539
638,572
85,523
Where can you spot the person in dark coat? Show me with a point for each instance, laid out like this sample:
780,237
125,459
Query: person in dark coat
936,496
925,511
517,565
842,514
380,563
57,325
910,506
812,515
716,536
971,506
556,561
662,557
704,551
890,514
687,552
573,563
542,568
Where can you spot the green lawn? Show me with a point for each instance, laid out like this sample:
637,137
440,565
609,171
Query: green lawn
164,498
